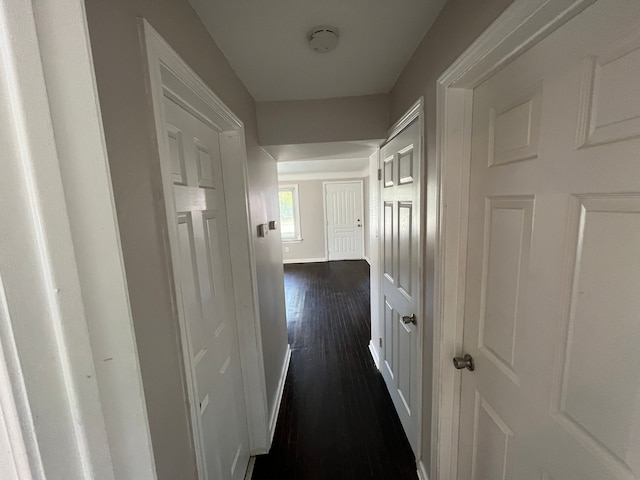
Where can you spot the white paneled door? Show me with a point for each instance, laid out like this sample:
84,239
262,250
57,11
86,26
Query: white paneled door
553,272
205,294
345,220
399,281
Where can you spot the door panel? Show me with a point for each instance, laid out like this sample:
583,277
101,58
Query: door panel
405,240
553,260
206,295
506,258
345,219
491,443
389,338
399,280
387,241
604,299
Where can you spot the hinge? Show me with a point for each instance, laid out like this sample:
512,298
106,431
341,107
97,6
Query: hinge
380,338
379,174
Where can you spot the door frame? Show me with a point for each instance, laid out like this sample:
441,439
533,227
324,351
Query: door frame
97,408
160,56
522,25
374,256
324,212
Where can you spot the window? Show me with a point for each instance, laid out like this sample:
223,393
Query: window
289,213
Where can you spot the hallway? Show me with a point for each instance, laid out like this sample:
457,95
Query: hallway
336,419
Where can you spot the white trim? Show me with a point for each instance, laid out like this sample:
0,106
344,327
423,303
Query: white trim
422,471
249,473
324,211
410,115
23,459
293,187
161,57
292,177
305,260
96,237
273,420
292,240
91,414
522,25
374,354
374,252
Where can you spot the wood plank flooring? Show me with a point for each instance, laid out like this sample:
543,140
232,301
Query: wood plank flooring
336,420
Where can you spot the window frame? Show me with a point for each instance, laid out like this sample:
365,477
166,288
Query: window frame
293,188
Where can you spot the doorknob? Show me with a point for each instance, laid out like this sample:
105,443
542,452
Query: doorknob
464,362
409,318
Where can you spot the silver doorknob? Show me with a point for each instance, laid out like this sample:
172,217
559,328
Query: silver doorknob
464,362
409,318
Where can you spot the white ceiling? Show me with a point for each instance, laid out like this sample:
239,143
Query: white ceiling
323,151
318,159
265,42
353,167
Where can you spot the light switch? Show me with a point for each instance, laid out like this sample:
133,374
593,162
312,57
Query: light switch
263,230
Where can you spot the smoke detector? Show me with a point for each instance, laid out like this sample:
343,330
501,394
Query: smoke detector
323,38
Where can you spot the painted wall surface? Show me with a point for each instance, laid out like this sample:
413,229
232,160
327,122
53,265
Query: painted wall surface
312,223
329,120
130,139
457,26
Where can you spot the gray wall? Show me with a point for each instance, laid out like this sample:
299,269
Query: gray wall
329,120
312,225
129,132
457,26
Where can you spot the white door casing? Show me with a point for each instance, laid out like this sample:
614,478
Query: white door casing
553,259
375,345
400,283
197,203
71,402
344,220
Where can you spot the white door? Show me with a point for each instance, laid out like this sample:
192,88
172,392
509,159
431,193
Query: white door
553,272
345,220
399,282
206,295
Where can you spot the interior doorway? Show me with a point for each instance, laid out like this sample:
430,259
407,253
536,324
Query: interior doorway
401,320
552,218
200,141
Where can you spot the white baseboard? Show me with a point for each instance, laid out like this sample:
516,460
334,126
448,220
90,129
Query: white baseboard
276,406
250,466
422,471
366,259
305,260
374,354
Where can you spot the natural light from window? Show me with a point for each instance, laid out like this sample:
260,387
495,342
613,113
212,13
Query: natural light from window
289,213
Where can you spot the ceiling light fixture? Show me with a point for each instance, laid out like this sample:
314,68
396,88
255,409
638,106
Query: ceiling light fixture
323,38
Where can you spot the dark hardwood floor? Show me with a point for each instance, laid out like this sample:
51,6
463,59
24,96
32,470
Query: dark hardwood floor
336,420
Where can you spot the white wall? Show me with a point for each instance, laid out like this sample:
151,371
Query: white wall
130,139
457,26
328,120
312,225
